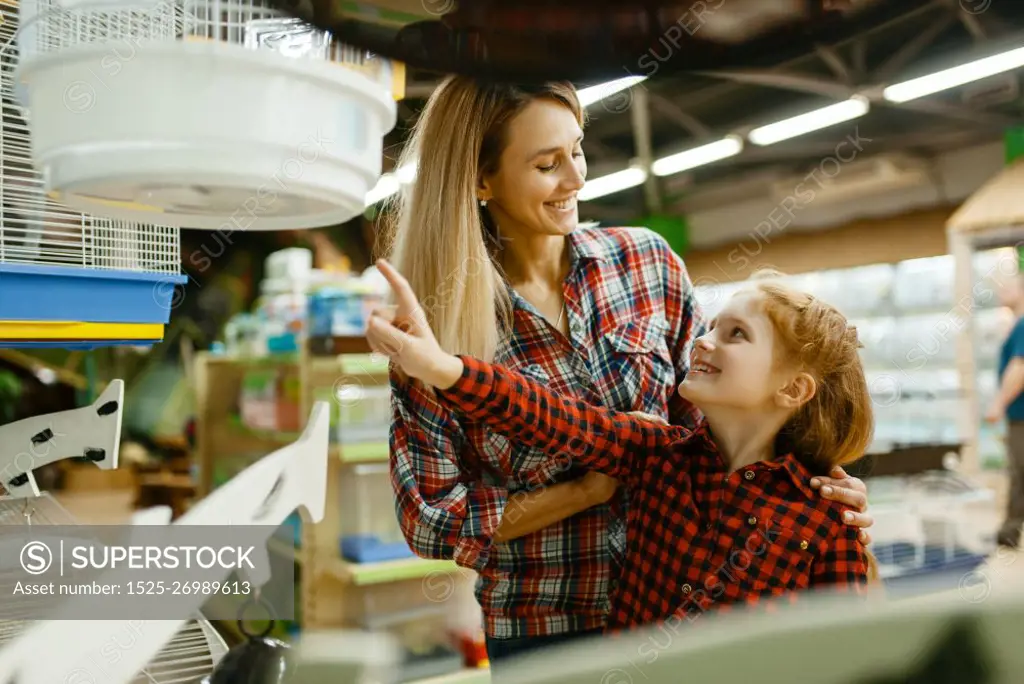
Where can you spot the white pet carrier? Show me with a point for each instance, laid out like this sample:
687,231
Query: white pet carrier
224,115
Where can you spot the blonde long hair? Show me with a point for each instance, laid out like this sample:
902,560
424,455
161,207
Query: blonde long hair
439,237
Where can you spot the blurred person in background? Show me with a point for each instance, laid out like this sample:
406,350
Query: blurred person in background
1009,404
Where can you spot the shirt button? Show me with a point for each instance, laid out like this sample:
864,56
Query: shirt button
749,475
804,544
752,520
707,528
687,589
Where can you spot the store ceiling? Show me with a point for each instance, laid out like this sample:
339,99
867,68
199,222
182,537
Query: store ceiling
894,40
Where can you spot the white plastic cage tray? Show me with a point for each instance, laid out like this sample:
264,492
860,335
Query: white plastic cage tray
229,116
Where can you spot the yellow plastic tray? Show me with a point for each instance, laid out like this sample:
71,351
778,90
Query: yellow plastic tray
77,330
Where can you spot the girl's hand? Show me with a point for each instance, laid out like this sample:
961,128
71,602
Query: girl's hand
851,491
403,335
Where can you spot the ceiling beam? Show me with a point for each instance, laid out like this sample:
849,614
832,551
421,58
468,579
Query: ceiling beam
902,57
679,116
640,113
973,25
802,83
834,62
860,60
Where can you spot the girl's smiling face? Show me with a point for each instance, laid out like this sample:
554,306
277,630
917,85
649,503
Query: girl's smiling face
734,364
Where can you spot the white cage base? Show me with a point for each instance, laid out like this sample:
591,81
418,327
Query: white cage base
204,134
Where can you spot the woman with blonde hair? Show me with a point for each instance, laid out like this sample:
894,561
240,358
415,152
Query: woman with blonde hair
487,235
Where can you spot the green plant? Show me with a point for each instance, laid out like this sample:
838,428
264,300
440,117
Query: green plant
10,394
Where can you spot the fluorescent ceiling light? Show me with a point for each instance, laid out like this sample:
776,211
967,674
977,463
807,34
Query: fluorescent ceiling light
957,76
407,172
390,183
811,121
589,96
386,187
698,156
613,182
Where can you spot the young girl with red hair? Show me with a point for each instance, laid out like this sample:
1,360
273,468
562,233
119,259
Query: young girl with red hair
718,515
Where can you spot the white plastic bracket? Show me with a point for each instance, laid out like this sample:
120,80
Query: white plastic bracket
92,432
266,493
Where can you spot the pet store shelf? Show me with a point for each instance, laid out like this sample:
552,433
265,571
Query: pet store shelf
366,574
369,452
334,593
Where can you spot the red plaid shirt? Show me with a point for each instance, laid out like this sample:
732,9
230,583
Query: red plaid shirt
698,537
632,321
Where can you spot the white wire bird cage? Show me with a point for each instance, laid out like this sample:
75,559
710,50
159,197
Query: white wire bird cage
220,115
62,268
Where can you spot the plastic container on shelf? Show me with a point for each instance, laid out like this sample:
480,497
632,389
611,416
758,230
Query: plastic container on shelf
344,307
282,312
335,311
294,264
364,413
257,400
876,336
864,291
991,327
992,269
369,528
925,340
925,284
288,395
244,337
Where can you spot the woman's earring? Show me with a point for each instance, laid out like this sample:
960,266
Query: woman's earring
483,203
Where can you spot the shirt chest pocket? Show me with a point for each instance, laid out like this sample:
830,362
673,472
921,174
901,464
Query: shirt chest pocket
637,372
773,560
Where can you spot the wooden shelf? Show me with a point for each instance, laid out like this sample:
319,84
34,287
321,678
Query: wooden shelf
334,346
283,548
371,452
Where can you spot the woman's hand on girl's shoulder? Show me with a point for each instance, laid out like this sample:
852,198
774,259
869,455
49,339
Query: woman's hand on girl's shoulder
850,491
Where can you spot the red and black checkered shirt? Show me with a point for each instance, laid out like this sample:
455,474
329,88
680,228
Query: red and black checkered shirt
632,322
698,537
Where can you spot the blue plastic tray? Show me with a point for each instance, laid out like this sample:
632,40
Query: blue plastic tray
64,293
370,549
73,345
